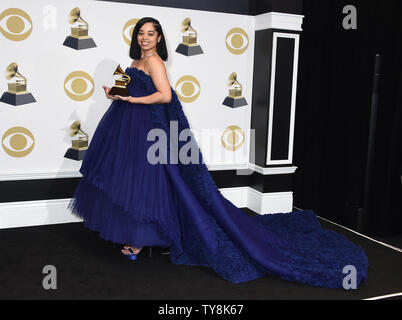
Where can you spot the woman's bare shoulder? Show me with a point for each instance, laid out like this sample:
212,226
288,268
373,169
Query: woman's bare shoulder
155,63
133,63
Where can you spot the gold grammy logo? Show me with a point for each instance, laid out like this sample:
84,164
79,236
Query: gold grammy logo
189,33
81,29
236,40
79,142
18,25
19,85
17,93
79,85
128,29
79,139
187,88
235,98
235,87
189,45
79,38
232,138
18,142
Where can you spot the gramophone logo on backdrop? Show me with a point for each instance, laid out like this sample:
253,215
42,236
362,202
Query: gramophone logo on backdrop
232,138
128,29
18,142
189,45
79,85
79,141
187,88
15,24
236,40
79,38
235,98
17,93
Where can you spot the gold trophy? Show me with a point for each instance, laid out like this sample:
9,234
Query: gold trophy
235,98
120,84
79,38
17,93
79,142
189,45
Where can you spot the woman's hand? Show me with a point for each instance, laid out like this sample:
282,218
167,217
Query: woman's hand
117,97
107,89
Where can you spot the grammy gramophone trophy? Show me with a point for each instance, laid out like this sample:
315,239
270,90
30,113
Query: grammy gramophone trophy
17,93
235,98
79,38
79,142
120,84
189,45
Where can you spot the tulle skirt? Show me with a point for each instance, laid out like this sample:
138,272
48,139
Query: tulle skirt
122,195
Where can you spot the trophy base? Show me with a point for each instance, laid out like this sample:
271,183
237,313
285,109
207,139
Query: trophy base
75,154
17,99
119,91
79,44
235,103
189,50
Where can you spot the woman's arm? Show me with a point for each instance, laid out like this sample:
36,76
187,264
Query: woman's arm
157,71
155,98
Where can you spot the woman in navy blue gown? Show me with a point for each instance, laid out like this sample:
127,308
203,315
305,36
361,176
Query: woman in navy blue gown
129,199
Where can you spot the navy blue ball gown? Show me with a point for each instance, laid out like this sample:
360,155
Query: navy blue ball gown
130,201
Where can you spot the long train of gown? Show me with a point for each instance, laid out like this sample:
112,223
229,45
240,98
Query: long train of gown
131,201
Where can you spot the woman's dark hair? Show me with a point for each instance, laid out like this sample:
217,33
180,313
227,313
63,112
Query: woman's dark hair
135,50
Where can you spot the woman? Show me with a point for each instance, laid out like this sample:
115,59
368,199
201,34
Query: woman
134,201
147,40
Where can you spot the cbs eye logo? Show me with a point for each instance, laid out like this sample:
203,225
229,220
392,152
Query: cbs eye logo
15,24
187,88
128,29
18,142
232,138
236,40
79,85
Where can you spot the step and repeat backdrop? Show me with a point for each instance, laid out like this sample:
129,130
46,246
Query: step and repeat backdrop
56,55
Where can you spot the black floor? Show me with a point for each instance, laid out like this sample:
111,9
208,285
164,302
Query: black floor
91,268
395,241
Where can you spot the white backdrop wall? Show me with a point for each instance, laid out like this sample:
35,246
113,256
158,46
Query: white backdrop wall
46,63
